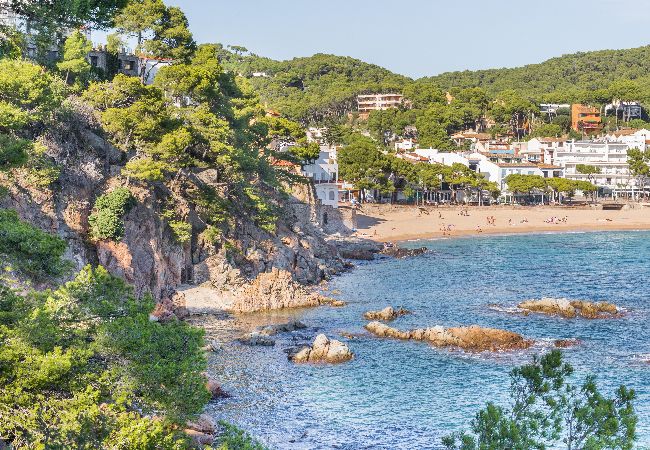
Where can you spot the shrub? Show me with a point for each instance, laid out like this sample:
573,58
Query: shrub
106,221
13,151
234,438
144,169
83,367
182,230
29,250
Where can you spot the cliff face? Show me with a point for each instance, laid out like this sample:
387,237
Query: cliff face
253,268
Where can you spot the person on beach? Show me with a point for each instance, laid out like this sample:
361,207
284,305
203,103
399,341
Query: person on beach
478,229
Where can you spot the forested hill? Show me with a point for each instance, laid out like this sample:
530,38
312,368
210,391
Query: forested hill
578,71
311,88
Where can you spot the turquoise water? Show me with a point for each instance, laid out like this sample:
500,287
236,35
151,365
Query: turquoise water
407,395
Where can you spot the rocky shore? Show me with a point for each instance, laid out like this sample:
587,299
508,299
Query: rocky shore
472,338
570,309
387,314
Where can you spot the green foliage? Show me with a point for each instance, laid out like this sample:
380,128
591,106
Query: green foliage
13,151
41,171
83,367
639,161
11,42
361,163
29,250
525,184
106,220
548,412
233,438
144,169
182,231
264,213
587,169
75,52
27,94
312,88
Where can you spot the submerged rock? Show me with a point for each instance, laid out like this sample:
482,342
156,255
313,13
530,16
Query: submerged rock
255,338
323,350
399,252
386,314
566,343
272,330
570,308
472,338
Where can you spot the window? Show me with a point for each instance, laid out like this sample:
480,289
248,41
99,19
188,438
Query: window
331,195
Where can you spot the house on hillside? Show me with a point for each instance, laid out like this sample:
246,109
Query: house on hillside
625,111
542,149
586,119
324,173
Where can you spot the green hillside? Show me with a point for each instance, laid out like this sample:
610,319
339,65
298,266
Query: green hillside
557,78
313,88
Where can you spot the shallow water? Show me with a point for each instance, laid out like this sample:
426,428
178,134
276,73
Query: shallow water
407,395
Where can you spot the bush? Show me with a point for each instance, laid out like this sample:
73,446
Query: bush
83,367
182,231
144,169
29,250
234,438
106,221
13,151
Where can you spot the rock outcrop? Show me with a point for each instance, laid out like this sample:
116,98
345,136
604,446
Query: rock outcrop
398,252
570,308
262,336
247,265
472,338
357,248
387,314
323,350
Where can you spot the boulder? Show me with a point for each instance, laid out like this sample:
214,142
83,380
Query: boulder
338,304
570,309
198,438
322,350
386,314
472,338
203,423
215,390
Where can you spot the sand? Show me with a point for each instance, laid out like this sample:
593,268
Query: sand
400,223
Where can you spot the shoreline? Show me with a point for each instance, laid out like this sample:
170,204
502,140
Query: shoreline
509,232
396,223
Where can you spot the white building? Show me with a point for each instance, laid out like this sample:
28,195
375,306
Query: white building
542,150
324,172
378,102
405,145
437,157
633,137
609,157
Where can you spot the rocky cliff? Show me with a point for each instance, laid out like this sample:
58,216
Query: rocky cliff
255,269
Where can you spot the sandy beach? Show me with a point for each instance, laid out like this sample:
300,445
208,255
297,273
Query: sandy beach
399,223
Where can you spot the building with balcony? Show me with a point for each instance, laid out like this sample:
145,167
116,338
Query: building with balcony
324,173
609,157
586,119
379,102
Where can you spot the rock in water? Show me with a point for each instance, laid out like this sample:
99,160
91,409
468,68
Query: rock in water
386,314
570,309
472,338
398,252
323,350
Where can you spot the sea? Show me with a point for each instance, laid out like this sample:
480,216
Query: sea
408,395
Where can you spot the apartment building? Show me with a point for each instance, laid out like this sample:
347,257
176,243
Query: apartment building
379,102
609,157
586,119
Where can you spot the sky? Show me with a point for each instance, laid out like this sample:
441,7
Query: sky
422,37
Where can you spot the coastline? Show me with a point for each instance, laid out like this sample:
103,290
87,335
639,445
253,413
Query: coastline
391,223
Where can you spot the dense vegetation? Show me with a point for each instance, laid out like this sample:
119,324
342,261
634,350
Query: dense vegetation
311,88
548,412
321,90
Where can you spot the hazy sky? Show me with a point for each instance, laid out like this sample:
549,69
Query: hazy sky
422,37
